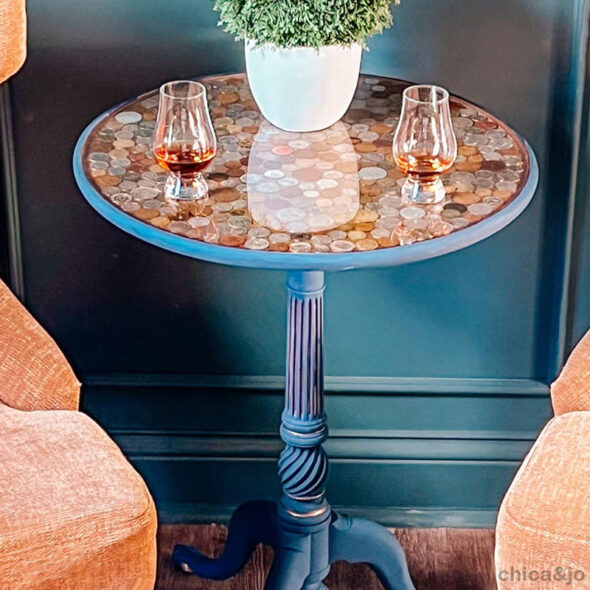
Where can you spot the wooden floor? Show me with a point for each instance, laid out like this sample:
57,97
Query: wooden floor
439,559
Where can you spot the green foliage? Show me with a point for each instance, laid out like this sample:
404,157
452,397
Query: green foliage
305,23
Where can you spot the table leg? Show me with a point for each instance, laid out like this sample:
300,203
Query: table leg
305,533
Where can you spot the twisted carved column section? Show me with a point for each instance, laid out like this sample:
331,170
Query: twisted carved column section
303,464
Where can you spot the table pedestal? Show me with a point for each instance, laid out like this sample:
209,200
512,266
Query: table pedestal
306,535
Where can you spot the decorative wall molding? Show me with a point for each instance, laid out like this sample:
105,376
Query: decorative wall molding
560,249
366,446
10,194
342,384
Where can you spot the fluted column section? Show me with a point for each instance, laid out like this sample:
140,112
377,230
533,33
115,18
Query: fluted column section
303,464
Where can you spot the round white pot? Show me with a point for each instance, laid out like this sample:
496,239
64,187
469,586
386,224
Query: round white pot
302,88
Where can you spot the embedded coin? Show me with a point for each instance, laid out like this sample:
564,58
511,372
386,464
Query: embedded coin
199,221
480,209
412,212
259,232
130,207
372,173
128,117
300,247
278,238
342,246
143,194
178,227
367,244
257,244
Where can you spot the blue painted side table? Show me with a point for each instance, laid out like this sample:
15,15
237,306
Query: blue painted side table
306,204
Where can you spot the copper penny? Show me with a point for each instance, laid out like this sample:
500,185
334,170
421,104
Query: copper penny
232,240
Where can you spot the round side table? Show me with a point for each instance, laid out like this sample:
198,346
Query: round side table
304,203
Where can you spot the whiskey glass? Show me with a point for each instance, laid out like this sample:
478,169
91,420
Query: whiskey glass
424,144
184,139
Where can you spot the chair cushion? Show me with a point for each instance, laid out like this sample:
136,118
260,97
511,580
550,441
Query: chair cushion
544,521
73,512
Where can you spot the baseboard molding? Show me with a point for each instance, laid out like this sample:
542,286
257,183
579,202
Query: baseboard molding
415,446
186,513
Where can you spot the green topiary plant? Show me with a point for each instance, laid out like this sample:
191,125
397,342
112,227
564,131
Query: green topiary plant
305,23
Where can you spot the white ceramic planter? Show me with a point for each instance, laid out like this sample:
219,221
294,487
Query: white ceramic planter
302,88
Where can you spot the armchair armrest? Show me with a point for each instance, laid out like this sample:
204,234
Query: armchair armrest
13,37
34,374
570,392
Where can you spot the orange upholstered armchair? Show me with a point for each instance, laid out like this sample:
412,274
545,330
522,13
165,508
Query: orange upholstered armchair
543,530
13,37
74,515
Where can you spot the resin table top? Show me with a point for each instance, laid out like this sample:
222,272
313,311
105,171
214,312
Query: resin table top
328,200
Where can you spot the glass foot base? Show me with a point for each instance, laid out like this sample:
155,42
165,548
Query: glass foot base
183,188
423,192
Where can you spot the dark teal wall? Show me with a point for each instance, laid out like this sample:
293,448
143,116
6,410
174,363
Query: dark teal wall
440,368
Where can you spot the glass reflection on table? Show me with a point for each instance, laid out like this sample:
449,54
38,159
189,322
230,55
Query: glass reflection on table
298,185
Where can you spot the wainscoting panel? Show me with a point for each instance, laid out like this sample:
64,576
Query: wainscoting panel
440,369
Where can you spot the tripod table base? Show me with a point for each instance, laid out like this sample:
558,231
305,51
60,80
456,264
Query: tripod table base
303,551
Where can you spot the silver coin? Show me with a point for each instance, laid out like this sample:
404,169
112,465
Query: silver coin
120,198
390,202
380,232
257,244
178,227
122,134
258,232
267,187
504,185
128,117
238,221
337,234
462,123
274,174
342,246
127,185
120,162
368,136
462,177
98,157
300,247
279,238
387,222
116,171
326,183
143,194
416,223
372,173
358,128
199,221
288,181
412,213
459,222
320,239
222,207
130,207
493,201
